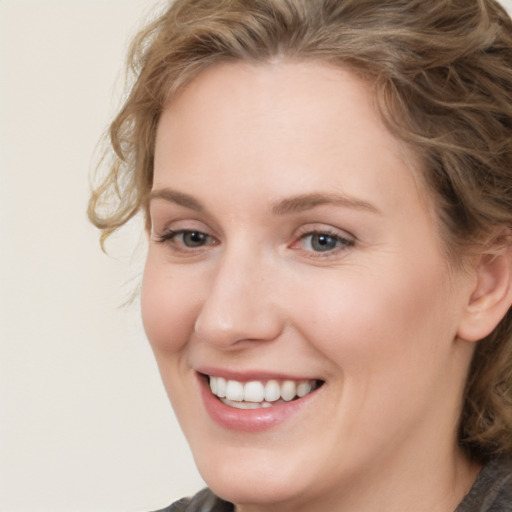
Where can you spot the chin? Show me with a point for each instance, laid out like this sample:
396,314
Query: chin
251,476
259,488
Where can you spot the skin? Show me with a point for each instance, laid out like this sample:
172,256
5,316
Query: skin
380,317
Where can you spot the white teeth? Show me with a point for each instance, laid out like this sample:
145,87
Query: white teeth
256,394
288,390
303,388
245,405
235,390
221,387
218,386
213,386
272,391
254,391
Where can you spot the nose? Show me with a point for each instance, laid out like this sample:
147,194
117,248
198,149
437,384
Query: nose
240,304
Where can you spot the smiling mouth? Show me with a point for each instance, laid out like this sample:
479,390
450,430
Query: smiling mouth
257,394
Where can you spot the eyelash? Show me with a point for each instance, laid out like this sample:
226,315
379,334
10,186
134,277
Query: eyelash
170,236
341,243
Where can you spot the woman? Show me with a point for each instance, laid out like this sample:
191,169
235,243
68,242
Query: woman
327,189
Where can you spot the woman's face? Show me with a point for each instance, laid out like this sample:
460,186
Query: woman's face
294,252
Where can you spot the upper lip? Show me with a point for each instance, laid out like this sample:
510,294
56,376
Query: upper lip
250,375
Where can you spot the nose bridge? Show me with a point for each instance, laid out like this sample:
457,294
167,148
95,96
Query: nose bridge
239,304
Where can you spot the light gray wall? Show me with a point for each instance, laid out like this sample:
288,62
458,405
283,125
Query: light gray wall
84,421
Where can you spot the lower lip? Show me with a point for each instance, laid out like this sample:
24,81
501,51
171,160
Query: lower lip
249,420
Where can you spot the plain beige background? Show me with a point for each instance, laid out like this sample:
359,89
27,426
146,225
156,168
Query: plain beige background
84,421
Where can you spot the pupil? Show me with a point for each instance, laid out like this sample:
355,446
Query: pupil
323,242
194,239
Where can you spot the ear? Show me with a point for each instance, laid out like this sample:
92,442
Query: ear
491,295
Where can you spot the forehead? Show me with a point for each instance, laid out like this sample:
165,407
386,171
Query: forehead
278,119
273,95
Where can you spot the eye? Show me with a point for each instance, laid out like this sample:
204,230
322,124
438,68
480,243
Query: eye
188,239
194,238
323,242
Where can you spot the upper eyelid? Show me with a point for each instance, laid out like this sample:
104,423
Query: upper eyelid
172,232
332,232
164,224
326,229
168,221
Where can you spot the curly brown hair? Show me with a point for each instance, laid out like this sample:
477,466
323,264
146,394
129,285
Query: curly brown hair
442,76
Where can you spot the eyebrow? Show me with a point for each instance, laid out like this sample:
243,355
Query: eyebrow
295,204
178,198
305,202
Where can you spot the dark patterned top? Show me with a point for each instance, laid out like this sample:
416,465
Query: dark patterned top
491,492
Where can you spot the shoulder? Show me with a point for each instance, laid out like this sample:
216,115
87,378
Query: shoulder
177,506
492,490
203,501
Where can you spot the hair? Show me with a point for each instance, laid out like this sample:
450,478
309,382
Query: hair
442,77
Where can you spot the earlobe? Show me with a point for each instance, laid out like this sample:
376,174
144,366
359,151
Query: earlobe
491,296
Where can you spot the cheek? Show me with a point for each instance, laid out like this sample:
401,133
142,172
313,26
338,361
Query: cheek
390,342
371,318
168,305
